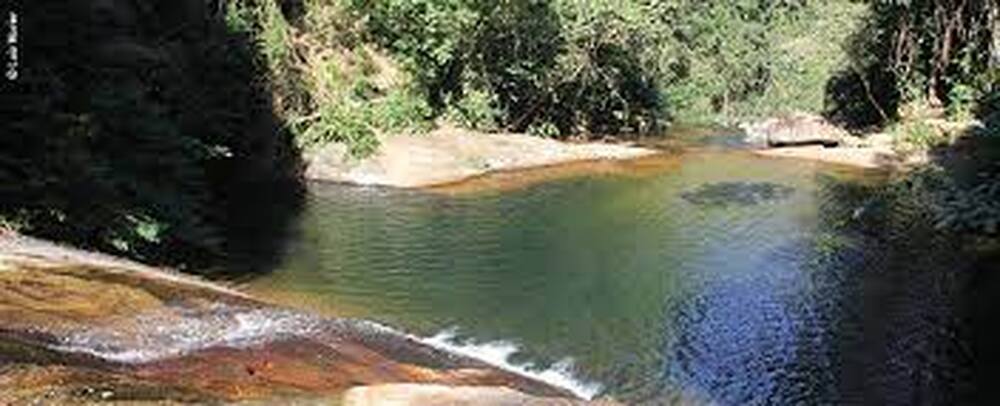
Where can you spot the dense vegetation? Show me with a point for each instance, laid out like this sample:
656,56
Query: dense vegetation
613,67
922,60
349,70
142,129
918,56
139,130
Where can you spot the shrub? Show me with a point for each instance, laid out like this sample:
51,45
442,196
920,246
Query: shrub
917,135
358,123
340,123
401,110
476,109
961,101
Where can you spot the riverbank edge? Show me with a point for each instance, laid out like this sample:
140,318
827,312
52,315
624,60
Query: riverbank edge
450,156
880,149
865,157
17,249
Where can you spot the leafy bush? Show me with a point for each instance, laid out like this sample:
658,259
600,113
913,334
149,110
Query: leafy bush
336,122
917,135
961,101
401,111
358,123
544,129
476,109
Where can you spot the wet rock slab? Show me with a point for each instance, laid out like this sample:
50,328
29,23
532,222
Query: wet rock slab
78,327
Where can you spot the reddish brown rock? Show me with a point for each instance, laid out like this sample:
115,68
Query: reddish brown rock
80,327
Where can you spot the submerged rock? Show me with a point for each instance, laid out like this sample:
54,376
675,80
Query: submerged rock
737,193
83,327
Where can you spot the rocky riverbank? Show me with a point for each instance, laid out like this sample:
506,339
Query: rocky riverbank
450,155
806,136
80,327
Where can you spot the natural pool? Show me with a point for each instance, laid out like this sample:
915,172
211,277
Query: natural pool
716,277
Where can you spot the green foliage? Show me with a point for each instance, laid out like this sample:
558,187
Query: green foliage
238,18
358,123
274,35
476,109
924,52
336,122
428,36
401,110
544,129
917,135
11,223
961,101
617,66
607,77
327,81
573,65
752,58
140,142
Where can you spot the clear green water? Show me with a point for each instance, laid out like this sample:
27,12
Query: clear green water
654,293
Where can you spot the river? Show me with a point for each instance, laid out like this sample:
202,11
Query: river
715,277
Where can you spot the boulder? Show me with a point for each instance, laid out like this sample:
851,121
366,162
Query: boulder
793,130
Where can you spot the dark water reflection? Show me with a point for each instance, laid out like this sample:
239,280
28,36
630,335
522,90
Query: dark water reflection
792,297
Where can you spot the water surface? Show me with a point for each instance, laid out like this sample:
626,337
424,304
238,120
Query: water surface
721,277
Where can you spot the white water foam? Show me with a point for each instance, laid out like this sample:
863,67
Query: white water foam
157,337
498,353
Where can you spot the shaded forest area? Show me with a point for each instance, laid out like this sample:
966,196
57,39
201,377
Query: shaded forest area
171,132
141,128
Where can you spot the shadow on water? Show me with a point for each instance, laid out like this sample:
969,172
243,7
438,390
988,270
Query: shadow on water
258,233
739,193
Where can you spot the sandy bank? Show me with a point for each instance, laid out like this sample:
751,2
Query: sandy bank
78,327
450,155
